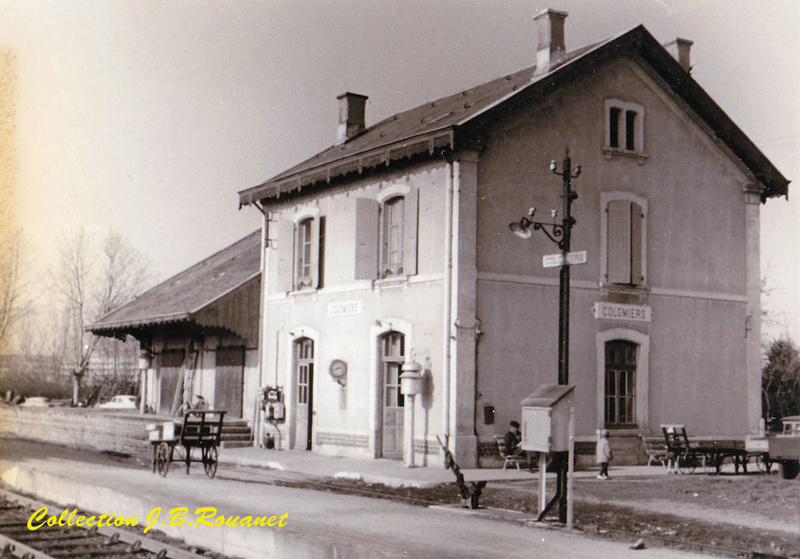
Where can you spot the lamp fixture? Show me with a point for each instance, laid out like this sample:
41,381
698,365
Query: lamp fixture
560,233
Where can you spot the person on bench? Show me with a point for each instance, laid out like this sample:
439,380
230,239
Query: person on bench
513,439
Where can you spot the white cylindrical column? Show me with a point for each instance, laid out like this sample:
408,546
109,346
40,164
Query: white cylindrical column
411,385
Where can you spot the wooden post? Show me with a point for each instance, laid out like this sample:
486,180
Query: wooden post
571,468
542,482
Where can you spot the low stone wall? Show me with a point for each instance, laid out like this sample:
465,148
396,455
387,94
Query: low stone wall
122,432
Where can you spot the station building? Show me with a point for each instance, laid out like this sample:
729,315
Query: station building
198,332
396,239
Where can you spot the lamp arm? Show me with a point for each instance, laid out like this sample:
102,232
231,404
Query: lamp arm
557,231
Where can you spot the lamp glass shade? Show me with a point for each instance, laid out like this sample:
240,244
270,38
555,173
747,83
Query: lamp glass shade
411,383
521,230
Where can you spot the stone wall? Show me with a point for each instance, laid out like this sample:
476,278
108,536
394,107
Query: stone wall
79,428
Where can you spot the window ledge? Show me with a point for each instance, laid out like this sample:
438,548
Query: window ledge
607,289
610,152
304,293
391,282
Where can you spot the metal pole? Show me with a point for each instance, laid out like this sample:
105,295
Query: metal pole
563,325
564,278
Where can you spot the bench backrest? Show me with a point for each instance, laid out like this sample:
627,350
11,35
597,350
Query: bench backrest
675,437
202,427
501,445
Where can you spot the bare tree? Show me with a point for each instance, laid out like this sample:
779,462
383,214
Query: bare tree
11,307
91,287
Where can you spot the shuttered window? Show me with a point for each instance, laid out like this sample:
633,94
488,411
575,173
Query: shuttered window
625,243
366,238
306,254
392,250
386,236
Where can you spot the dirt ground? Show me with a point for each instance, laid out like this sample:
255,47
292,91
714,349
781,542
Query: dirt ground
725,515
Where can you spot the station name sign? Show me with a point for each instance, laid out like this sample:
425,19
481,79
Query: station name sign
345,308
618,311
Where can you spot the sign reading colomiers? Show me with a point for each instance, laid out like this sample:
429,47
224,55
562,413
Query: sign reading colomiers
619,311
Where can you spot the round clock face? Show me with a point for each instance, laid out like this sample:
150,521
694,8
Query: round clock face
338,368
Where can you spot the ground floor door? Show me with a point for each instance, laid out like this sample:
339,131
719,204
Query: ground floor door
229,381
392,351
304,374
170,365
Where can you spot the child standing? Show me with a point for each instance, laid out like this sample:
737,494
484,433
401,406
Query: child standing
603,453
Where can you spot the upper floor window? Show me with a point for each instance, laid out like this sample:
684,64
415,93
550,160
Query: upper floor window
303,258
308,250
624,127
623,239
393,217
386,234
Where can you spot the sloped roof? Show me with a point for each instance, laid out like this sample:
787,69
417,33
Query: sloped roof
182,296
442,125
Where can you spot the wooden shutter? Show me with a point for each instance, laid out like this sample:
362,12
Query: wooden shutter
284,252
637,258
619,241
320,265
315,253
366,238
410,232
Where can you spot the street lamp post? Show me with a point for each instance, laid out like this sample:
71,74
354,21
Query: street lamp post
561,234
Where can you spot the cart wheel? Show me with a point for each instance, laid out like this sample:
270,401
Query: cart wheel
687,464
790,469
712,464
162,459
210,460
763,463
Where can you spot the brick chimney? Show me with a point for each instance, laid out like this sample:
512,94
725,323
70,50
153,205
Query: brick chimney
351,116
680,49
550,24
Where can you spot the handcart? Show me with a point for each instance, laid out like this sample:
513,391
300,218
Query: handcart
685,456
200,429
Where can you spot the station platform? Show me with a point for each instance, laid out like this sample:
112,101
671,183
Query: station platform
392,472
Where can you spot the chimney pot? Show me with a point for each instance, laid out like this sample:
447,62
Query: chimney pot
550,24
351,116
680,49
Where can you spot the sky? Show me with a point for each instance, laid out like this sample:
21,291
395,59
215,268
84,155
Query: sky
148,116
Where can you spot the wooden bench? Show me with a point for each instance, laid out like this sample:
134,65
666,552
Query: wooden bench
509,459
656,449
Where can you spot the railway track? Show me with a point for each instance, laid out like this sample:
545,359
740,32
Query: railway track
17,540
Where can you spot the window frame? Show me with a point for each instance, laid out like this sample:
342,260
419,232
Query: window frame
306,267
618,400
392,364
606,199
392,237
377,237
624,129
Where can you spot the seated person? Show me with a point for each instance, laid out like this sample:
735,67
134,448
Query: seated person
200,403
513,439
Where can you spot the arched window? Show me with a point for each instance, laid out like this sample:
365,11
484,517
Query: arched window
386,233
393,237
304,259
620,383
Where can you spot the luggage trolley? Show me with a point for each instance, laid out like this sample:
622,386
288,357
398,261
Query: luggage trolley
200,429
